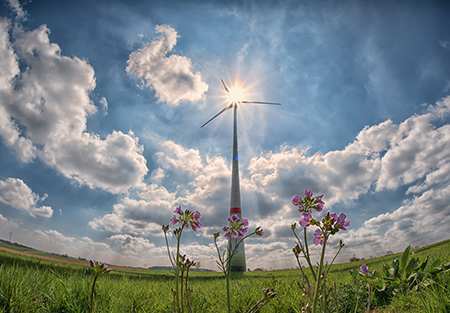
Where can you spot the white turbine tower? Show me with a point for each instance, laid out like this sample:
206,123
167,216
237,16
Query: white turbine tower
238,261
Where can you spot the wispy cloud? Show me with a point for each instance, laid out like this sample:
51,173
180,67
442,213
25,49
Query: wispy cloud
7,224
444,44
15,5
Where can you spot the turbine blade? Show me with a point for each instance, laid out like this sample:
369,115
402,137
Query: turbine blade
259,102
223,110
224,86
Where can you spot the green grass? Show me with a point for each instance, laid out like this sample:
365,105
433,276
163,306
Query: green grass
34,285
31,251
15,247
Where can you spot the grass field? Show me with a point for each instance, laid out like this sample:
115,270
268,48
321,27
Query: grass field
28,284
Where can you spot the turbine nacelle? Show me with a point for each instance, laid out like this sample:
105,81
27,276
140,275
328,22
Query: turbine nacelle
234,101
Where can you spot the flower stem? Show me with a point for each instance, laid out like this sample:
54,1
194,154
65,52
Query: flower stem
316,289
228,290
168,250
91,308
182,291
332,261
177,273
307,255
303,273
188,302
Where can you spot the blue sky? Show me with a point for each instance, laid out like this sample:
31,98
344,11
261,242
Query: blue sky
101,105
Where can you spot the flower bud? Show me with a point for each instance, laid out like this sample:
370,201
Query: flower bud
259,231
99,268
297,250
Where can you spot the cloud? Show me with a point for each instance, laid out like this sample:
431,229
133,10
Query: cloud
444,44
376,138
195,184
132,245
15,193
363,166
276,254
382,156
178,157
421,221
9,130
55,237
170,76
7,224
269,181
115,163
43,113
417,148
104,104
56,242
385,155
200,183
117,249
44,211
139,216
15,5
340,175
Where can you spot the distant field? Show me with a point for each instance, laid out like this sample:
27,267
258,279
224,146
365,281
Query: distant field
29,284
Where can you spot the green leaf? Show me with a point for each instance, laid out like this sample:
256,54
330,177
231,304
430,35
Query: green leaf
383,286
395,270
436,263
440,269
391,279
404,261
385,270
424,264
412,266
446,267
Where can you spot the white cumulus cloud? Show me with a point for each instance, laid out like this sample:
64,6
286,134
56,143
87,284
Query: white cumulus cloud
417,148
421,221
132,245
44,110
15,193
138,216
171,75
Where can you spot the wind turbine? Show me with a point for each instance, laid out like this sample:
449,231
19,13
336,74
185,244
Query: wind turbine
238,262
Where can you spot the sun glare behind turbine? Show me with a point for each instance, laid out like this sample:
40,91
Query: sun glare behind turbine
237,94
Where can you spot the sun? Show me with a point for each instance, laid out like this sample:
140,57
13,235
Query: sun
236,93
